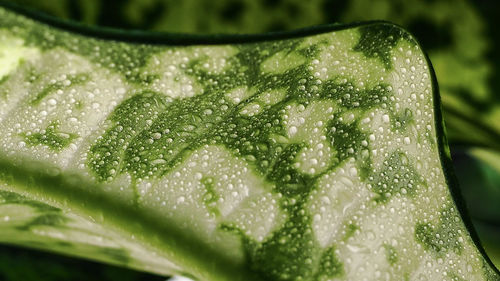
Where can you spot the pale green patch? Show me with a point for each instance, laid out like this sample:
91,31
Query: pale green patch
338,61
182,194
13,51
386,127
58,106
411,83
15,215
239,94
272,97
282,61
214,60
328,204
251,109
308,125
372,240
170,73
264,100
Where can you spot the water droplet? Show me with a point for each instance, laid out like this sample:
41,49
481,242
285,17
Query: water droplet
120,91
469,268
357,248
325,200
353,171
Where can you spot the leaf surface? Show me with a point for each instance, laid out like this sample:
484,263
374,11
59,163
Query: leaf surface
317,155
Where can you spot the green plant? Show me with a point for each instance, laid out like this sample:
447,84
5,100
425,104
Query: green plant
457,36
311,155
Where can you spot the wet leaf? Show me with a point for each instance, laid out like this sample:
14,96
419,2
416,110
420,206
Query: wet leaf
305,158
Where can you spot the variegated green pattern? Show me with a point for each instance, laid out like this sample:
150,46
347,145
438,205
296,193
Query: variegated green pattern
312,158
455,34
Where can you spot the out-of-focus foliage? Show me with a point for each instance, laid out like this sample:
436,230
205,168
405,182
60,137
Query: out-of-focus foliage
479,181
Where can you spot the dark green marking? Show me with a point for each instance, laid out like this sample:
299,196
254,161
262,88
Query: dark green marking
289,254
348,141
3,93
329,265
4,79
107,155
60,85
397,176
402,120
289,181
350,97
210,197
182,130
442,237
377,41
50,137
350,231
391,254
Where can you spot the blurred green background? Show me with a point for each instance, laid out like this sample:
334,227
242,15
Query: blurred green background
460,36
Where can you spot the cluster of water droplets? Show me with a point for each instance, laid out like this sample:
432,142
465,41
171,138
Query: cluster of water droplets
307,159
